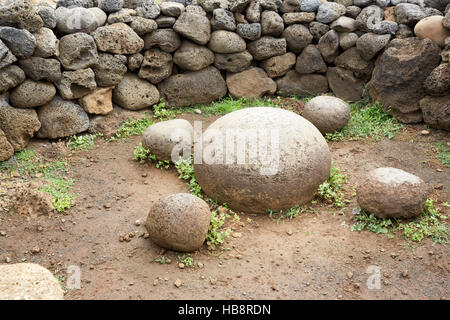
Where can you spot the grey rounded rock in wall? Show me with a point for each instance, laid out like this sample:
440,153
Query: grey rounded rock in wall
392,193
30,94
267,47
165,39
193,87
301,85
326,113
118,38
298,160
10,77
20,41
297,37
109,69
233,62
310,61
76,19
110,6
47,44
77,51
194,27
179,222
47,15
193,57
38,68
61,118
156,66
226,42
133,93
250,31
223,20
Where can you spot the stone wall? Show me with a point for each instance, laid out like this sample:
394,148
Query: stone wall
61,69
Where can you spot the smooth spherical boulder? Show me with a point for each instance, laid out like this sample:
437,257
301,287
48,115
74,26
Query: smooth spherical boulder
327,113
179,222
392,193
282,163
169,140
28,281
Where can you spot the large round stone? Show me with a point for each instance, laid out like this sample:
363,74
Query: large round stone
133,93
327,113
28,281
392,193
30,94
281,160
179,222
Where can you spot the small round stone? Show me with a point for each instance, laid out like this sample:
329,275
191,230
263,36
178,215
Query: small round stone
327,113
179,222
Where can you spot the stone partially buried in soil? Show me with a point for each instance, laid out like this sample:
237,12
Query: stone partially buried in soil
302,85
33,203
392,193
436,111
296,163
193,87
6,149
61,118
327,113
169,140
28,281
179,222
134,93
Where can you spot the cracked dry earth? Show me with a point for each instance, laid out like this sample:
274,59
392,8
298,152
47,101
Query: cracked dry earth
314,256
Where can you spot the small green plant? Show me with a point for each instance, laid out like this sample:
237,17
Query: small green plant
161,112
186,260
330,190
132,127
54,176
367,120
290,214
141,153
443,153
83,142
161,260
230,104
185,170
430,224
217,233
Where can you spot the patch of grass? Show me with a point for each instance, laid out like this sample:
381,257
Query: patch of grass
443,153
217,233
230,104
367,120
290,214
185,168
162,112
83,142
54,175
132,127
430,224
141,153
161,260
186,260
330,190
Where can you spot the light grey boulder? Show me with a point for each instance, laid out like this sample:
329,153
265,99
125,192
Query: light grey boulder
328,46
110,6
309,5
110,69
267,47
156,66
77,19
143,26
165,39
327,113
47,15
347,40
171,8
6,56
271,23
330,11
169,140
28,281
290,176
10,77
118,38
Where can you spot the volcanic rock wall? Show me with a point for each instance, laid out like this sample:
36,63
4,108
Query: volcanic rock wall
61,69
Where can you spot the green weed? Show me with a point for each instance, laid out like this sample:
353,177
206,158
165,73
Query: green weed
83,142
141,153
290,214
186,260
217,233
330,190
367,120
443,153
132,127
185,170
430,224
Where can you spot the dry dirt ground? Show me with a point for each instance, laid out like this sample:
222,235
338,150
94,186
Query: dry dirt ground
314,256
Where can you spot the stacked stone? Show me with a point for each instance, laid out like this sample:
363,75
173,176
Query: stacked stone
62,67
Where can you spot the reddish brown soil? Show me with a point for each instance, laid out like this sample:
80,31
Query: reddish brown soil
315,256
